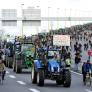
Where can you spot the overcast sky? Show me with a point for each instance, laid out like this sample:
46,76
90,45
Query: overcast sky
82,5
78,8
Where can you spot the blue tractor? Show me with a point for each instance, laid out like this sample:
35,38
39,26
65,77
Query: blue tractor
50,68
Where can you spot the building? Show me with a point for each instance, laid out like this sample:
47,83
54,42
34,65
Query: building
28,23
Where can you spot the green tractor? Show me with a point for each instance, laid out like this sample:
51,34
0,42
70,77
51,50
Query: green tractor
24,54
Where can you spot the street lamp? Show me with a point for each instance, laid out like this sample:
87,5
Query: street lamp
48,18
58,18
65,16
22,18
70,17
37,28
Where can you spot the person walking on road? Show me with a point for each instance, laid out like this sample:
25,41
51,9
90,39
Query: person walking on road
77,61
2,66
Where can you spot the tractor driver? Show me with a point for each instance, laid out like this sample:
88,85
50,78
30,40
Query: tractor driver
42,57
56,57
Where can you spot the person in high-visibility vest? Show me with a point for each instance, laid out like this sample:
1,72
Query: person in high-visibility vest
68,59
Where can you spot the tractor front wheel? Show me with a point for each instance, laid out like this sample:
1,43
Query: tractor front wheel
33,75
40,78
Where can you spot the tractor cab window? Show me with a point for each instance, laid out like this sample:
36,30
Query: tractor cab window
53,54
26,47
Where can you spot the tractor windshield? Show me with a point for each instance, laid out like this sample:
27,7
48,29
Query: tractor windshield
26,47
53,54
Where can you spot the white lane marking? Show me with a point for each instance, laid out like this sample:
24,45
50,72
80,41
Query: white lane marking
34,90
7,72
21,82
76,73
88,90
12,76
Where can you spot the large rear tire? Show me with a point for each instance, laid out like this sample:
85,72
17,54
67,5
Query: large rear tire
33,75
10,62
18,68
14,64
40,78
6,61
67,79
14,67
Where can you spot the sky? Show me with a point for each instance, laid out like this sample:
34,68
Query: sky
58,8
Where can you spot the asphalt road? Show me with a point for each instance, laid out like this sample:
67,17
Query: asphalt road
22,83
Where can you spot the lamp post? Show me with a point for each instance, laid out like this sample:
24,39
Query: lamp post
70,17
57,18
37,28
48,19
22,18
65,20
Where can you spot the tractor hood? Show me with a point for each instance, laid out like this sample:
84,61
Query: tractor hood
53,66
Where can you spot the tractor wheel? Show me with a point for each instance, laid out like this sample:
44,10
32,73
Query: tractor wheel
10,62
6,61
14,67
67,79
40,78
18,68
33,75
14,64
59,82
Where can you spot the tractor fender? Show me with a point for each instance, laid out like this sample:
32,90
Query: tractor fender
37,65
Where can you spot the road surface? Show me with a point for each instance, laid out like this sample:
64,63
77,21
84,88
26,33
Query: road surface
22,83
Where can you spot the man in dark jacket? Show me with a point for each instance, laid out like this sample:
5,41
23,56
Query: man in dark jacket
77,61
86,67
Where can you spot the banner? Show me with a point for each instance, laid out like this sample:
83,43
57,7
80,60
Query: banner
61,40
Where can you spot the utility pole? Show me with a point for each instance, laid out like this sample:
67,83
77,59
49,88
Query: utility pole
22,19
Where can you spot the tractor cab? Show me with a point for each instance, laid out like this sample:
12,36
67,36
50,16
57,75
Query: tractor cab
53,54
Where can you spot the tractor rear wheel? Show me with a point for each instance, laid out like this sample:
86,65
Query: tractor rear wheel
10,62
18,68
14,67
6,61
67,79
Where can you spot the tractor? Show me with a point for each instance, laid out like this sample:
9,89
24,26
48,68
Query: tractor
53,68
24,54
